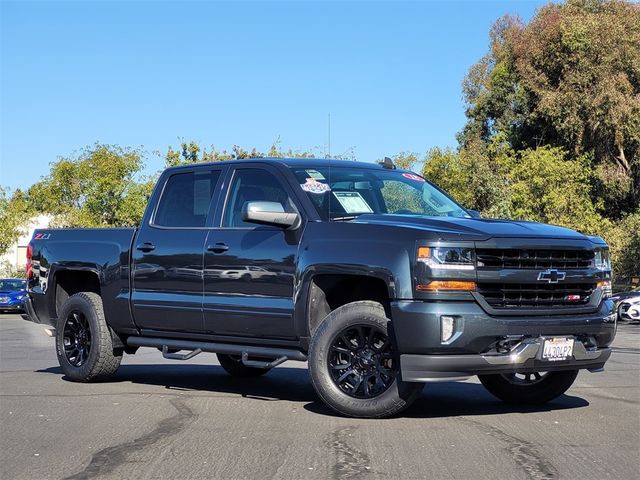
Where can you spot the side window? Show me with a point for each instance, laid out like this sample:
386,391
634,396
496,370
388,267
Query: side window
185,199
253,184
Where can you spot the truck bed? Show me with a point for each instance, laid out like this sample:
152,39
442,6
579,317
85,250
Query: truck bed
100,254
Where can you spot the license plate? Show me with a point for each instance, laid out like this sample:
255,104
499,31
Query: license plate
555,349
4,299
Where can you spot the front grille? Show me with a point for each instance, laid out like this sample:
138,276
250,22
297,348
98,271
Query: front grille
531,295
514,258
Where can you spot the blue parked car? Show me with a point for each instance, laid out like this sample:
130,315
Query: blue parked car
12,291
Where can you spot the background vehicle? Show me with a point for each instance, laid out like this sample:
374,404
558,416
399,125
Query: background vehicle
12,292
624,301
629,309
371,274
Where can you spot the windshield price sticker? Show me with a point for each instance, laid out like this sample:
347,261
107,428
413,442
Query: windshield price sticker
314,186
555,349
352,202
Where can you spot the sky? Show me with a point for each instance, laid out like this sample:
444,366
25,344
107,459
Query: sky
149,74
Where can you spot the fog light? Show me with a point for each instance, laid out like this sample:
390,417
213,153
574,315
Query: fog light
447,328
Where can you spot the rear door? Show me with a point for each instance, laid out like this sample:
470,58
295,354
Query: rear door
249,268
167,263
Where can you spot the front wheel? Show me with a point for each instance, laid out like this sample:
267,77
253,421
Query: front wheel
354,365
529,388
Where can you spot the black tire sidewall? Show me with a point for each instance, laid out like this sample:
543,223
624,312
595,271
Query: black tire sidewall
83,305
395,399
552,386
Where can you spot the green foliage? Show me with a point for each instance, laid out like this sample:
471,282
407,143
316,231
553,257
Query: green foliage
192,152
472,178
548,187
560,98
96,188
15,211
570,78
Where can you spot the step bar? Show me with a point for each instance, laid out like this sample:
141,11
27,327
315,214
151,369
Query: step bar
278,355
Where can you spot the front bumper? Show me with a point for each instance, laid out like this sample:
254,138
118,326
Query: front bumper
11,306
522,359
472,350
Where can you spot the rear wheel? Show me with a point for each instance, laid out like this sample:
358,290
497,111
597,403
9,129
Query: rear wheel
83,341
529,388
233,366
354,365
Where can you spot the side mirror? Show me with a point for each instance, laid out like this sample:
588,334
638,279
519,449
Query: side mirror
474,214
269,213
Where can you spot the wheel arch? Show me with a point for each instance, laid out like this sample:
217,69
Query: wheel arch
324,290
69,281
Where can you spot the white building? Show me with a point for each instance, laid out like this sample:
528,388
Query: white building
16,257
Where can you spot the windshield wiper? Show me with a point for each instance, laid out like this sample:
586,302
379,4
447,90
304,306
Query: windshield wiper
344,219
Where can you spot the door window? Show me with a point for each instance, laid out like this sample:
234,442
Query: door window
249,185
186,198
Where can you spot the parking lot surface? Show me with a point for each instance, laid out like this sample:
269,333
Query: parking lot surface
168,419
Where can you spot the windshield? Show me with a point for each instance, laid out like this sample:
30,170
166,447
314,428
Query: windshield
349,192
12,285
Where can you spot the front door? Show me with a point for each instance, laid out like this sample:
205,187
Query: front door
249,268
167,268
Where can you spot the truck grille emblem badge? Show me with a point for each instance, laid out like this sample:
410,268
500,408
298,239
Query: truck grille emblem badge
551,275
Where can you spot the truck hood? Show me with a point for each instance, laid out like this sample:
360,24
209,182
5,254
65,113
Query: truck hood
473,228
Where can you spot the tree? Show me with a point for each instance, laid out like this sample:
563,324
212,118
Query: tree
192,152
472,177
96,188
569,78
546,186
15,212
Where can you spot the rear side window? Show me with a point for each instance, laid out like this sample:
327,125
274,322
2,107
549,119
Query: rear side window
186,198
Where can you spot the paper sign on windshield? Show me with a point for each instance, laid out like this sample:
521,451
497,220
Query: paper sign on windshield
352,202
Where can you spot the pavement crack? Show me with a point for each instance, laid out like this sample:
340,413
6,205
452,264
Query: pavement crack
108,459
350,462
526,454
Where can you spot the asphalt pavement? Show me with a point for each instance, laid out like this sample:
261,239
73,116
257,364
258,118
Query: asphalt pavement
188,420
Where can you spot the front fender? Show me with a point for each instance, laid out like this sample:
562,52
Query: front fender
351,249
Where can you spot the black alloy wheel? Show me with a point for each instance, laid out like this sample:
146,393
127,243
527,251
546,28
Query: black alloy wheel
361,361
525,379
77,339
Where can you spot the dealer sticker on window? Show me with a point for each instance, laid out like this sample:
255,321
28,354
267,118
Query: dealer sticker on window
352,202
314,186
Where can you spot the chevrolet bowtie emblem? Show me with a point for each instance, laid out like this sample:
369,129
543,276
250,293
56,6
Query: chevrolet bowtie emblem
551,276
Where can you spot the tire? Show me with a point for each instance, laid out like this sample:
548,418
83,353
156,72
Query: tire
510,389
374,388
83,340
234,366
619,316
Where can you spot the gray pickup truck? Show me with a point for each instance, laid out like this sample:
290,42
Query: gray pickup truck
370,273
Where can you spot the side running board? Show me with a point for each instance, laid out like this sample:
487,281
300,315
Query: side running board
279,355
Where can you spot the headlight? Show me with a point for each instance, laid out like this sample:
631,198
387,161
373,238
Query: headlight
447,258
602,260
